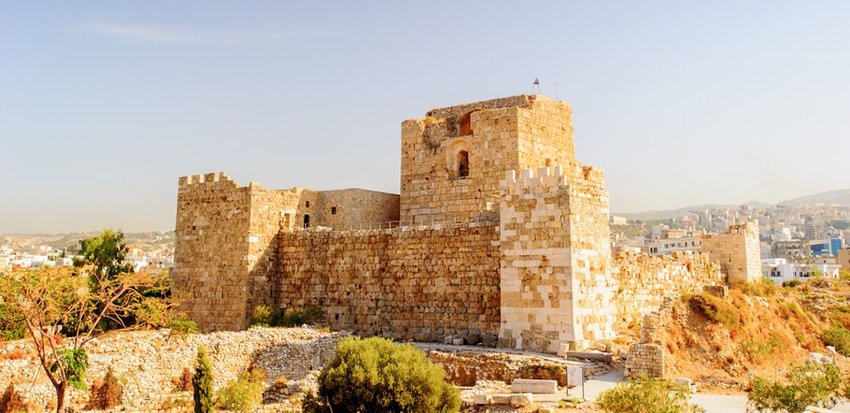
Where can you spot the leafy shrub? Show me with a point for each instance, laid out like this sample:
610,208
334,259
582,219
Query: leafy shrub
306,315
202,383
715,309
107,393
810,384
265,316
646,395
181,326
243,394
763,287
838,337
377,375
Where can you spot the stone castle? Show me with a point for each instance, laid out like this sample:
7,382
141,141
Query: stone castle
498,236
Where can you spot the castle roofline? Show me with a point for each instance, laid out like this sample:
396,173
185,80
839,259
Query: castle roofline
455,111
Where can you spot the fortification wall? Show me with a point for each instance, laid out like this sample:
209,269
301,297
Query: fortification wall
643,282
210,266
555,258
738,251
590,246
423,283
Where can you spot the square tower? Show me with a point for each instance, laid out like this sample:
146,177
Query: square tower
452,160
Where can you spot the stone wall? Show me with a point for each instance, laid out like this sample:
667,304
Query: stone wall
496,135
738,251
148,363
407,283
555,261
210,267
643,281
227,240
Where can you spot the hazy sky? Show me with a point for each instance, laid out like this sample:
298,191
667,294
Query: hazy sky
103,105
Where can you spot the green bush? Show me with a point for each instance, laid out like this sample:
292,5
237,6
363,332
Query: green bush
243,394
202,383
306,315
716,309
265,316
647,395
181,326
838,337
377,375
810,384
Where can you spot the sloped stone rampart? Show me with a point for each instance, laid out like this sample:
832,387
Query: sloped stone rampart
148,362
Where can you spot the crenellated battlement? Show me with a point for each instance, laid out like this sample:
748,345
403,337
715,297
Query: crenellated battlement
533,179
212,178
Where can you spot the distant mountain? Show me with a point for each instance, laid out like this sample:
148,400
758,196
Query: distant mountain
840,197
669,213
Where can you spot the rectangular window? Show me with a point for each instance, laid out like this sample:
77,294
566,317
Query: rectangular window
333,210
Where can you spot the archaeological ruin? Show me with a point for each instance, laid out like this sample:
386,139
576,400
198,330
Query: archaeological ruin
498,236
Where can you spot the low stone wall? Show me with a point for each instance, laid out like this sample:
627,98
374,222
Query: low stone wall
644,281
423,284
148,363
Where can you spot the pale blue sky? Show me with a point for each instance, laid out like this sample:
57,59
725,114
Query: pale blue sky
104,104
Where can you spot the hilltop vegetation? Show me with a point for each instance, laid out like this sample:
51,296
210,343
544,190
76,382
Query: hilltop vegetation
758,329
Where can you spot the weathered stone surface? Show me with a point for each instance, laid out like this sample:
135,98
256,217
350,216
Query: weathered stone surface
498,237
534,386
149,362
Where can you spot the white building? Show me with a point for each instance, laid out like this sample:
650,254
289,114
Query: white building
780,270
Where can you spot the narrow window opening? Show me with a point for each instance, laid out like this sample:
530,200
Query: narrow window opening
462,164
306,221
548,162
307,204
333,210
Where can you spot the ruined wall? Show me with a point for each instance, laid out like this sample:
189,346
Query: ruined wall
422,284
210,268
148,363
643,281
738,251
555,258
497,135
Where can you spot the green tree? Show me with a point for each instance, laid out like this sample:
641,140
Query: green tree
647,395
810,384
61,313
106,253
377,375
202,383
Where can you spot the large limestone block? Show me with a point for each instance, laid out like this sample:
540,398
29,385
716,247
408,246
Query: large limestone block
535,386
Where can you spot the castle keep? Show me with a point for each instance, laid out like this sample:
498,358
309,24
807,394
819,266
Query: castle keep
498,236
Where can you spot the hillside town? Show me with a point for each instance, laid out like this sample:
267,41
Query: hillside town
797,242
145,251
